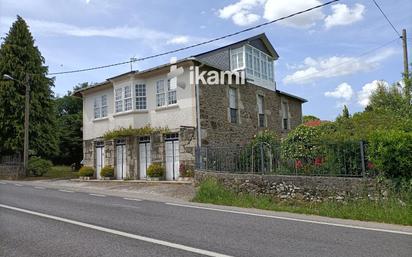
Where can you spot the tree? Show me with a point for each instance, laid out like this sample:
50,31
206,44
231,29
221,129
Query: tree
307,118
345,112
69,119
22,60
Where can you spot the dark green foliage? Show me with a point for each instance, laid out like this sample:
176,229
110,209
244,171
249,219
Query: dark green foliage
391,153
70,136
23,61
86,171
38,166
107,172
155,170
307,118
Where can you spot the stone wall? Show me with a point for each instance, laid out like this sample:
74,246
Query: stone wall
306,188
11,171
214,114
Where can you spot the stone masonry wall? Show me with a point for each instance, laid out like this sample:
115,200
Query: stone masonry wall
306,188
214,114
11,171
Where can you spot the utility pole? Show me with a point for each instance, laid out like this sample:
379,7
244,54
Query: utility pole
26,126
405,55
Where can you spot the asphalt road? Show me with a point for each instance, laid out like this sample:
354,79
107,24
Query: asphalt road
47,222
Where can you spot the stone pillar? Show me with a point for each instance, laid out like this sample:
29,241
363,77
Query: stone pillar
88,153
187,146
132,155
109,153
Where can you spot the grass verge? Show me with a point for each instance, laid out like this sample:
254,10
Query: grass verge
387,211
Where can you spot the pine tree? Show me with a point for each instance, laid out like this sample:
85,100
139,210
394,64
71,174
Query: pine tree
22,60
345,112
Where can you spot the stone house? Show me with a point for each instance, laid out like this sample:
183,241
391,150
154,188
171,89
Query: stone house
221,97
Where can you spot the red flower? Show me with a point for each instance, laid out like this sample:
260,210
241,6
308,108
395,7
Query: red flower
318,161
370,165
298,164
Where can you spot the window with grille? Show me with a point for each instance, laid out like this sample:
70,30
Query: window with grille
141,100
171,91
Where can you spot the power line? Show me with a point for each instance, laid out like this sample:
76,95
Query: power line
198,44
386,17
342,63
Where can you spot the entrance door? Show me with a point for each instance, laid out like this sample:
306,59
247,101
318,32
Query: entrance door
172,157
99,158
120,159
144,156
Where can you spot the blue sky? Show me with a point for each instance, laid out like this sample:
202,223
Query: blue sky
320,52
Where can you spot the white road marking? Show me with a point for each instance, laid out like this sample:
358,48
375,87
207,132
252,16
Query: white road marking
66,191
293,219
97,195
119,233
18,185
39,187
132,199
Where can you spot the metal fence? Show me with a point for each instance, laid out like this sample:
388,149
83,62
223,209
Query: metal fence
14,159
324,159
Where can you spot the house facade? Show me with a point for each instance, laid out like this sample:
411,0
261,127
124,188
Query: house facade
190,110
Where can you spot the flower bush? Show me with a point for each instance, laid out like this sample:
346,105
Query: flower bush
155,170
86,171
107,172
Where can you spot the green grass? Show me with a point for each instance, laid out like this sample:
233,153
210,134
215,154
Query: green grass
56,172
387,211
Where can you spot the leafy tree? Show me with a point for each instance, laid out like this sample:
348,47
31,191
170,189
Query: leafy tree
69,119
307,118
22,60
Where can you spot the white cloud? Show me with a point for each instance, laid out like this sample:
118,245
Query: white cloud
243,18
313,69
178,40
49,28
367,90
343,91
241,12
343,15
278,8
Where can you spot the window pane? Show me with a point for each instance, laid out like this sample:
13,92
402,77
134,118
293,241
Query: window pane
233,115
141,103
140,90
104,100
232,98
96,112
127,92
104,111
160,88
118,93
119,106
240,59
160,99
128,104
260,104
261,120
171,96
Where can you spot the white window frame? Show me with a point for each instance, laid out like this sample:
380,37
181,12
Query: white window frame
233,106
237,58
285,115
118,100
140,96
127,98
256,58
100,107
261,111
166,93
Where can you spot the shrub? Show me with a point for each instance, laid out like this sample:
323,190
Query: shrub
38,166
185,171
107,172
390,152
86,171
155,170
